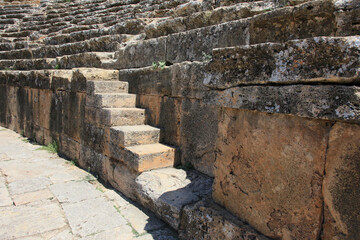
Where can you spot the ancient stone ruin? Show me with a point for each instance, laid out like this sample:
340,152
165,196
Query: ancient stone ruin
228,119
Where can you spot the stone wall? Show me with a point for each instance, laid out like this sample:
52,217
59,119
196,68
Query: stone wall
45,106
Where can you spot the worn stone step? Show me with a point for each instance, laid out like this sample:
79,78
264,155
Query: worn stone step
28,64
97,74
142,158
115,116
206,18
320,59
101,44
94,87
125,136
167,191
87,59
252,30
111,100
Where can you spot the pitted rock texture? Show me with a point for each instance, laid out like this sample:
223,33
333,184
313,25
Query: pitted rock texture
340,188
321,59
206,220
273,165
166,191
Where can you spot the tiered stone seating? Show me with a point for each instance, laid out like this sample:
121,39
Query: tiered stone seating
248,43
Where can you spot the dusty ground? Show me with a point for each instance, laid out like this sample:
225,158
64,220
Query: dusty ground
43,196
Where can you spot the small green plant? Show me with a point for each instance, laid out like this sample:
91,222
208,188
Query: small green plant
52,147
100,189
22,133
74,162
89,178
57,66
206,57
159,65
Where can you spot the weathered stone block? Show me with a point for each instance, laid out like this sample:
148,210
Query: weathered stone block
166,191
320,59
56,107
199,124
141,54
187,80
3,103
297,22
69,147
269,171
187,47
45,97
341,183
122,178
61,80
332,102
151,104
347,17
170,121
95,137
148,80
206,220
93,161
73,113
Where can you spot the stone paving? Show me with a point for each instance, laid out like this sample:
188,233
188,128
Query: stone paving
43,196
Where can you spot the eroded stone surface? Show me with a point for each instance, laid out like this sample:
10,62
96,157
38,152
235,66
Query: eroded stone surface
165,191
207,220
340,188
320,59
332,102
273,165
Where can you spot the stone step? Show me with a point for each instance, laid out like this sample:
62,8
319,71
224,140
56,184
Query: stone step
115,116
111,100
29,64
142,158
97,74
125,136
320,59
167,191
87,59
252,30
206,18
94,87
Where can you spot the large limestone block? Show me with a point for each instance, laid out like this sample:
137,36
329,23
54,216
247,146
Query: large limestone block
320,59
198,131
166,191
56,111
341,183
206,220
148,80
192,45
73,112
332,102
141,54
347,17
297,22
187,80
3,103
269,171
44,109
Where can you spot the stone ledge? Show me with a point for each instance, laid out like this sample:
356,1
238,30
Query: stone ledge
329,102
207,220
314,60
